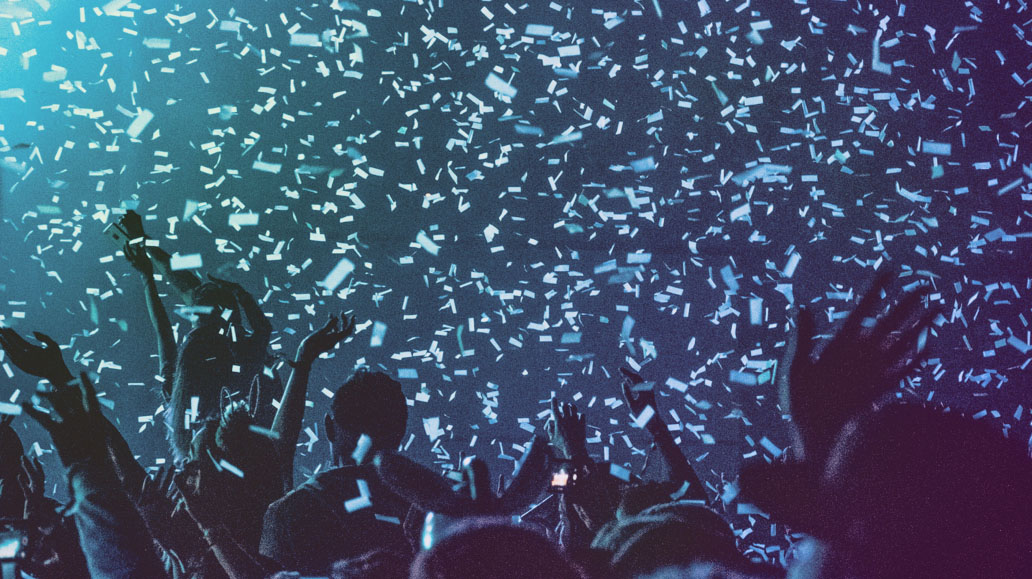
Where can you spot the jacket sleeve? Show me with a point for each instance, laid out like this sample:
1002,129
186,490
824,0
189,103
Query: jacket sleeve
112,534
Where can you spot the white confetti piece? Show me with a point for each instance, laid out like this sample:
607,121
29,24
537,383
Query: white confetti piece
500,86
379,331
143,118
337,275
190,261
424,241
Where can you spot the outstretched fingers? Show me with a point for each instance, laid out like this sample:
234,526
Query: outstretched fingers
349,326
897,317
88,393
46,340
866,308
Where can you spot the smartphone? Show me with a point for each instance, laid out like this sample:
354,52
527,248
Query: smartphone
563,476
116,233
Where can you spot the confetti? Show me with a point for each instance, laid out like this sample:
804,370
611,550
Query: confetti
190,261
337,275
529,196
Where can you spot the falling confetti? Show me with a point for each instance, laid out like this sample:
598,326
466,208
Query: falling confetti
529,196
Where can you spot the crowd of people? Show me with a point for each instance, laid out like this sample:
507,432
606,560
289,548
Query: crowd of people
875,483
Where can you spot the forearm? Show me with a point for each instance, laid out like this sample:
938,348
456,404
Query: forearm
680,469
127,468
290,415
160,322
112,534
254,317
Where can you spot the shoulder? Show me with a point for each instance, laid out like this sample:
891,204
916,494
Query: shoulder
313,490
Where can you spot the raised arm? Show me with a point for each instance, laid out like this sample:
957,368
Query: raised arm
112,534
643,400
250,311
287,424
861,363
864,361
43,361
137,257
183,281
46,362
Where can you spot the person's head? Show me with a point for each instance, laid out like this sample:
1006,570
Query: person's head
378,564
239,467
369,403
209,300
493,548
910,491
637,498
645,543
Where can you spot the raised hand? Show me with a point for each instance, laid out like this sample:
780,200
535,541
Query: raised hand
637,393
640,396
861,363
32,481
132,223
137,257
336,330
567,431
247,306
41,361
78,432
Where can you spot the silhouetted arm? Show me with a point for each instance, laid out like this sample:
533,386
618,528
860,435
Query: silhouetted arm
641,400
286,426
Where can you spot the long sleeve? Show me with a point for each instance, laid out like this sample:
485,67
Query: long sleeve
112,534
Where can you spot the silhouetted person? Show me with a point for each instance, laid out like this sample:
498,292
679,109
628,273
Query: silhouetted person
346,511
492,548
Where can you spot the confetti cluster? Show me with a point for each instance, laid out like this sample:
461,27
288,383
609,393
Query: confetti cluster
518,198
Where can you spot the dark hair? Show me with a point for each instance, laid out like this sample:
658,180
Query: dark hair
490,548
646,543
214,295
378,564
371,403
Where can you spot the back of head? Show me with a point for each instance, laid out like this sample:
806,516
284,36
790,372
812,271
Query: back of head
928,494
646,543
378,564
493,548
210,294
373,404
637,498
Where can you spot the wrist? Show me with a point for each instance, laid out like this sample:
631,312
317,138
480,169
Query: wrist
59,377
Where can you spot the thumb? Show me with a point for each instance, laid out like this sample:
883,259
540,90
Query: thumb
45,339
